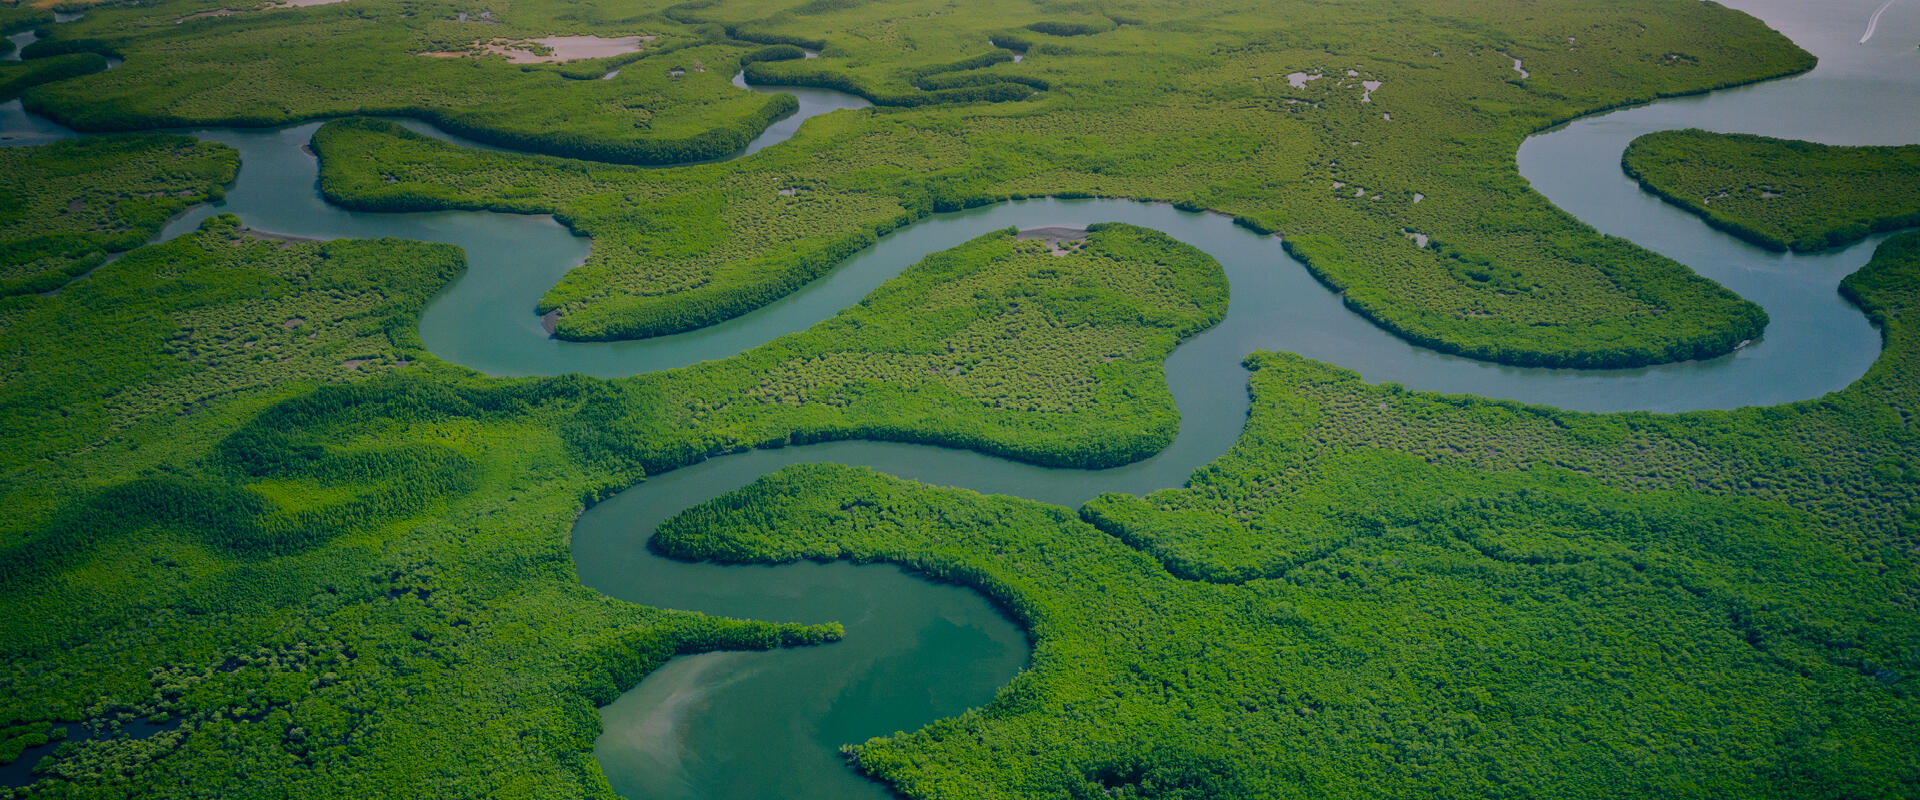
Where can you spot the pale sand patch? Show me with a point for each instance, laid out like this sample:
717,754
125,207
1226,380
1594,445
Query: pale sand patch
560,49
1368,88
1061,240
228,12
1298,80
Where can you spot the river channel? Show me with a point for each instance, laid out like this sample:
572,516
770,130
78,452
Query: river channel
766,725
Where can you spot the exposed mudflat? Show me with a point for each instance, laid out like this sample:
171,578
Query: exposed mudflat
559,49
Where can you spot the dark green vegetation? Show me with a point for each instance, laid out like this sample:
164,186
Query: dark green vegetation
16,17
963,81
1779,193
1189,106
338,585
18,76
64,206
1379,593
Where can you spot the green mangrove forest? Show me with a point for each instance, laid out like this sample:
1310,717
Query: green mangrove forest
1781,194
64,206
262,540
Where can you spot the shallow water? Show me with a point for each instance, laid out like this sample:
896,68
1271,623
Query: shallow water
766,724
20,40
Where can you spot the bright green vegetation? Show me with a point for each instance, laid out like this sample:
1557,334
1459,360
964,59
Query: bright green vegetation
1777,193
996,345
1384,593
345,578
260,65
64,206
242,498
1181,104
173,327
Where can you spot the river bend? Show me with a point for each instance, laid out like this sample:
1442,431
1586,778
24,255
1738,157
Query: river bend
916,651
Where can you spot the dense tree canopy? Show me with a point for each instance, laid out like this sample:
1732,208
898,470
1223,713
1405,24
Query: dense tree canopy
1778,193
261,543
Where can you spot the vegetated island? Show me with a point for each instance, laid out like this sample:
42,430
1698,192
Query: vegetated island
1382,593
1781,194
1198,111
245,503
233,467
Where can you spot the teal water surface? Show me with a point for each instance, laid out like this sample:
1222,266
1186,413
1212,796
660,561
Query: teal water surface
748,725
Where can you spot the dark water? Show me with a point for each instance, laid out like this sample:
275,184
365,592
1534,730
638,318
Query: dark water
20,772
744,725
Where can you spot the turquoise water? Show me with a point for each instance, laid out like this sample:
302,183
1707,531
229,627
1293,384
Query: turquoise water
743,725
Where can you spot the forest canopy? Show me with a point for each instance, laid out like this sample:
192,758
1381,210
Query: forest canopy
1778,193
261,541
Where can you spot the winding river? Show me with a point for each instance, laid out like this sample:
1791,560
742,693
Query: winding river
748,725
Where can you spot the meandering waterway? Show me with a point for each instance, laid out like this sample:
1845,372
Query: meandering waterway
742,725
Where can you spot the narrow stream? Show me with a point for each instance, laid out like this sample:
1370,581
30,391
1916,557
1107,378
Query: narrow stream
747,725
